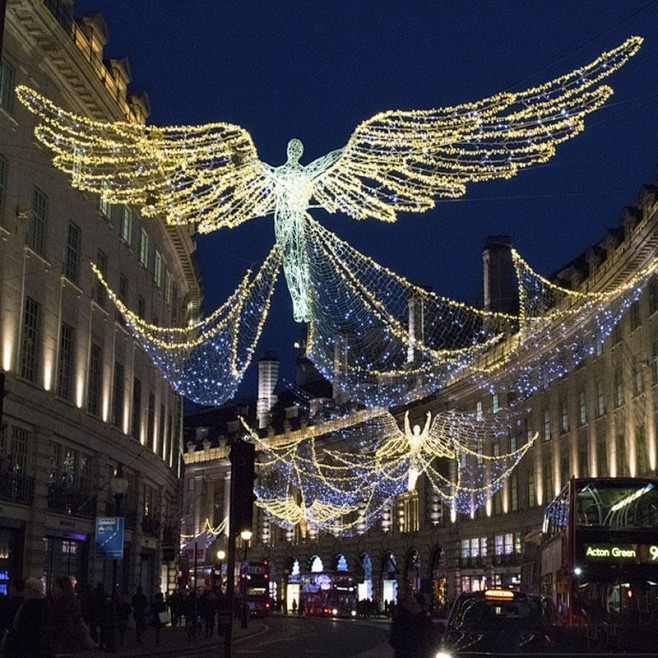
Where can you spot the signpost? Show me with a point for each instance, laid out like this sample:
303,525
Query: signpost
109,537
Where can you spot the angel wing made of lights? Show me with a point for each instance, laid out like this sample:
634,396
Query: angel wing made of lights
397,161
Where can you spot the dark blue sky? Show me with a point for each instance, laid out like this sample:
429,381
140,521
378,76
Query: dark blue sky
315,69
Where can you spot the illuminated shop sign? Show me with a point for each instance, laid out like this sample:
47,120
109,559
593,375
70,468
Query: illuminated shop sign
637,553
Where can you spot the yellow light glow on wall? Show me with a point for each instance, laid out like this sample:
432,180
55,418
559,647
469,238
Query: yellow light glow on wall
8,343
48,366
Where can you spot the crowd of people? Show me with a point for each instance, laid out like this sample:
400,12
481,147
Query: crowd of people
73,619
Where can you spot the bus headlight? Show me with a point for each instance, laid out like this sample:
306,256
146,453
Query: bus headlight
353,613
334,612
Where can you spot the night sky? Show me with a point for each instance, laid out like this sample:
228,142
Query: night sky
315,69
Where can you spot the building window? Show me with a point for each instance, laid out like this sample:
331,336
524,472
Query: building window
20,446
495,402
618,381
641,450
31,352
532,494
600,399
150,423
634,315
547,425
118,387
7,85
582,408
123,297
616,334
66,362
565,468
144,248
141,307
478,410
104,207
127,225
409,518
137,409
638,376
3,188
514,491
95,380
498,503
548,479
157,269
73,247
653,296
36,230
168,287
529,432
622,464
99,289
601,460
583,461
564,416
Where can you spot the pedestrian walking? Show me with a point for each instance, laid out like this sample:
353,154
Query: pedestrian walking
412,635
158,615
139,604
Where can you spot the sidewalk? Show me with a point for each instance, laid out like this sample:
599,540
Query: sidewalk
173,641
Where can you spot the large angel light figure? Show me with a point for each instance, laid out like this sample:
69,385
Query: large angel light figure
396,161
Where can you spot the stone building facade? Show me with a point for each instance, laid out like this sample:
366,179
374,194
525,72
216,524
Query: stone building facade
82,403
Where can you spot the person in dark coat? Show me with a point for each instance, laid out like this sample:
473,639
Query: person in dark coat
412,635
65,631
24,639
158,606
139,603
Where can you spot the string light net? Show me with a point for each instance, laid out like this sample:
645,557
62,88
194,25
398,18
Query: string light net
559,328
341,480
381,340
206,361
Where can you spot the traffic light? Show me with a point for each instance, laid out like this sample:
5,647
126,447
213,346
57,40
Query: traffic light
242,485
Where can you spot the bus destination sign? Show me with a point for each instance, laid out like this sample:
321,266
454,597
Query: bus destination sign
636,553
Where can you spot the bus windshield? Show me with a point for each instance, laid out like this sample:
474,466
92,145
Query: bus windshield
618,507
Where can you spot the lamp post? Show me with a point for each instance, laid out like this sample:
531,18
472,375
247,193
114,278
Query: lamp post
220,558
246,536
118,487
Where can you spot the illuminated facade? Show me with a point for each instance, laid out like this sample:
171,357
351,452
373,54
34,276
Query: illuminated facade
598,418
82,401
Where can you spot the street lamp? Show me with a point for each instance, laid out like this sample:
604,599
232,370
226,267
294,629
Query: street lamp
118,487
246,536
220,558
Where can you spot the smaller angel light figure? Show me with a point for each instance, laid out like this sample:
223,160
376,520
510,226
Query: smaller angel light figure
416,440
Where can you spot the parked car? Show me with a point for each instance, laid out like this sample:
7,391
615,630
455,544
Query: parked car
499,621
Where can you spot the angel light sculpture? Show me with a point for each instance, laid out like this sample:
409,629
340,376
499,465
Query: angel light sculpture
396,161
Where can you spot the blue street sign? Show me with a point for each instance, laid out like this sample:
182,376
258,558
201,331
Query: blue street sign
109,537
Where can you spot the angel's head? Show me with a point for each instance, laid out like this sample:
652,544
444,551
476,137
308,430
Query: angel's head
295,150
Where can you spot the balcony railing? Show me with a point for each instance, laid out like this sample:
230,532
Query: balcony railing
16,488
472,562
71,501
508,560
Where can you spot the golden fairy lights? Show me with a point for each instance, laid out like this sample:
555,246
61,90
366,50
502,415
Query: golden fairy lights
397,161
381,340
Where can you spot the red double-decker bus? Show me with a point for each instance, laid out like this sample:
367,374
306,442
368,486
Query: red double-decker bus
255,586
328,594
599,560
